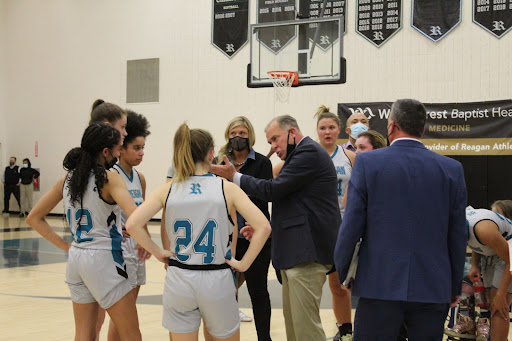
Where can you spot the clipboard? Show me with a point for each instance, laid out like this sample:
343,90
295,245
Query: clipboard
351,274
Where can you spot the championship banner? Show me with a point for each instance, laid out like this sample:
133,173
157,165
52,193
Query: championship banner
436,18
328,32
494,16
230,25
274,11
378,20
478,128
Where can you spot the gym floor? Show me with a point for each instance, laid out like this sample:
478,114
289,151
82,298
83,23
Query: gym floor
32,290
35,300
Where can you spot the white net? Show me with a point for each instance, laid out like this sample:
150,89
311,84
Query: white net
282,81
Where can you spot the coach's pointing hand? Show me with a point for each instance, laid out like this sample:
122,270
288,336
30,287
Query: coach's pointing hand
226,171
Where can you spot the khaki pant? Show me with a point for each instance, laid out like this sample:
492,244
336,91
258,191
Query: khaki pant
27,192
302,291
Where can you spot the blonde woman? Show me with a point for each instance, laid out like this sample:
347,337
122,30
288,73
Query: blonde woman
240,139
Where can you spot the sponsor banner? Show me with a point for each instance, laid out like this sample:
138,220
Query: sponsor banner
327,32
436,18
378,20
276,38
478,128
494,16
230,25
497,146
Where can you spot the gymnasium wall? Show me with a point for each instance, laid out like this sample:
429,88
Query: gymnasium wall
3,92
61,55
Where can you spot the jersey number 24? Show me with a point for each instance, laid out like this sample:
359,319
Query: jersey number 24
203,243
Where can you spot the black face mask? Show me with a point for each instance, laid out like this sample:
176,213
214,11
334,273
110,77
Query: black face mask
111,163
239,143
290,147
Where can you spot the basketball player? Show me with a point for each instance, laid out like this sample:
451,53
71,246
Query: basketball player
114,116
328,128
488,235
132,152
199,212
111,114
95,271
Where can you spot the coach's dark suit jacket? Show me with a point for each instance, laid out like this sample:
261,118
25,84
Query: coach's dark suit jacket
408,205
305,212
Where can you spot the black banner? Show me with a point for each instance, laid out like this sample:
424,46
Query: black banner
327,32
378,20
478,128
275,38
436,18
494,16
230,25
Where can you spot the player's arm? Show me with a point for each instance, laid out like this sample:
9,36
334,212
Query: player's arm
166,242
351,156
136,222
240,201
37,215
277,169
488,234
143,254
475,265
234,237
116,188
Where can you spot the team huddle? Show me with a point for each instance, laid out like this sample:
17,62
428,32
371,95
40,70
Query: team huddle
206,216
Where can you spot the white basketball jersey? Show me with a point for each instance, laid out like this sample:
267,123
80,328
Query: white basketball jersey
134,187
100,222
197,221
475,216
343,168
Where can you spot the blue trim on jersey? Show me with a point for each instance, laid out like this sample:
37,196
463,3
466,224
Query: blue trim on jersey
335,152
130,177
207,174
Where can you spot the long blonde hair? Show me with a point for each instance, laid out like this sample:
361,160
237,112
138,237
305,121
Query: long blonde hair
191,146
323,112
237,121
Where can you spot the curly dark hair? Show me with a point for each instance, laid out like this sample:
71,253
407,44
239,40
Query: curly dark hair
136,125
81,161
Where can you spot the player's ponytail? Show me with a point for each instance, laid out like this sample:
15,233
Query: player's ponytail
191,146
324,112
81,161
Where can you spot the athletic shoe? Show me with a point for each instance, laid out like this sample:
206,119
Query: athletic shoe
463,328
244,317
483,329
347,337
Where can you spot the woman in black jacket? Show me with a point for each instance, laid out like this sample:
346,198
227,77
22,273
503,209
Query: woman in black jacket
27,176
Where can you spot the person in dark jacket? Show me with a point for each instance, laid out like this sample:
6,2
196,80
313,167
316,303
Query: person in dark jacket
27,177
11,181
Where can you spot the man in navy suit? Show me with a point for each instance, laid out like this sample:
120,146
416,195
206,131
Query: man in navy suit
408,205
305,222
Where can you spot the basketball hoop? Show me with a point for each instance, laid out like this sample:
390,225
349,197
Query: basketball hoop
283,81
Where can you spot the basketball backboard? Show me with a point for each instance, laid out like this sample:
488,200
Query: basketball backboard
311,47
